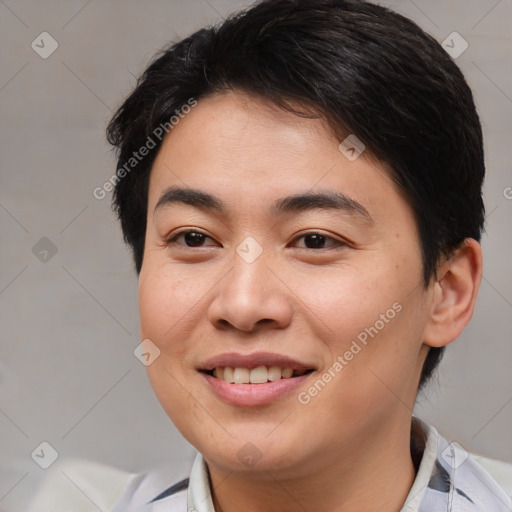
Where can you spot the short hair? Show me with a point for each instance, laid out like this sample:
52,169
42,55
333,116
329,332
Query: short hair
365,69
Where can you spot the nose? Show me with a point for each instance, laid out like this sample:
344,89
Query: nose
251,297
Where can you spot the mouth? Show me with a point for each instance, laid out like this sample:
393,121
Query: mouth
254,379
258,375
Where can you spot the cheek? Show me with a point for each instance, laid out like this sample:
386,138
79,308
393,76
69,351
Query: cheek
166,301
177,399
345,301
373,320
166,313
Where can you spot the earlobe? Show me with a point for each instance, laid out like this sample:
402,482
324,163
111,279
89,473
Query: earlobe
454,294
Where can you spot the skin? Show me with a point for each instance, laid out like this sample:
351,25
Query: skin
348,448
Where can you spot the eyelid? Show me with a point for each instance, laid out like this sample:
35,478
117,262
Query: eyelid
338,243
170,239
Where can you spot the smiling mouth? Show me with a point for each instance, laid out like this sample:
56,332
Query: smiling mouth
259,375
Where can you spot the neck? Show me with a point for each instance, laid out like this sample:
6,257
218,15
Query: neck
375,474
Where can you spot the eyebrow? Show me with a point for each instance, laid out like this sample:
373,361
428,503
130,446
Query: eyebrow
325,200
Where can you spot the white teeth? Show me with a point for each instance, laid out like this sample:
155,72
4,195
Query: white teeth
259,375
274,373
228,375
241,376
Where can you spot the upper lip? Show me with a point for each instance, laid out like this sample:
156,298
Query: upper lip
254,360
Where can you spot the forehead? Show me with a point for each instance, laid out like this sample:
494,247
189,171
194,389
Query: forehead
249,152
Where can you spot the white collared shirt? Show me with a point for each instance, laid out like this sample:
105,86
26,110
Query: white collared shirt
449,479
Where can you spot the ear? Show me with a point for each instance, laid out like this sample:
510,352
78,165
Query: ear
454,294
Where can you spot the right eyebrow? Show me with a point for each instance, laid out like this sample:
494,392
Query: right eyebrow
190,196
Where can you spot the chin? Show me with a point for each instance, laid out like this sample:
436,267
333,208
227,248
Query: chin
243,455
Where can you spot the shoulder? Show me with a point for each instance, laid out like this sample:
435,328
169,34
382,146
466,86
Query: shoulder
450,478
173,499
87,486
469,482
81,485
500,471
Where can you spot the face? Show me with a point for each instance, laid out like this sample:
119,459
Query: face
281,254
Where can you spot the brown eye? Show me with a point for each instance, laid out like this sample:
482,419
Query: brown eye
318,241
190,238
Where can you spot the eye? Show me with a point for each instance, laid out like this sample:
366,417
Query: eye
316,240
191,238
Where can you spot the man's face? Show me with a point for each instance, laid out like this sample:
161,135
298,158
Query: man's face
262,278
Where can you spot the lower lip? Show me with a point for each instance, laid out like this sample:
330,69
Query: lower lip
246,395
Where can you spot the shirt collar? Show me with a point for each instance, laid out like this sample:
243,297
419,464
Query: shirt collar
447,480
199,497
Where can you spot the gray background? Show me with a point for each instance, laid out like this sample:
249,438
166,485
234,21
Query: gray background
69,325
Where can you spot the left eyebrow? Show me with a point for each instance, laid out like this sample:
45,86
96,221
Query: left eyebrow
325,200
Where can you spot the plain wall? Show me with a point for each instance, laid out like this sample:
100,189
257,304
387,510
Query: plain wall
69,325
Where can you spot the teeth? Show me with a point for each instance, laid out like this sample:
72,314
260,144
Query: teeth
274,373
241,376
286,373
259,375
228,375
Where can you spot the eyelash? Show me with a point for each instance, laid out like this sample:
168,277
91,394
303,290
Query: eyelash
338,243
